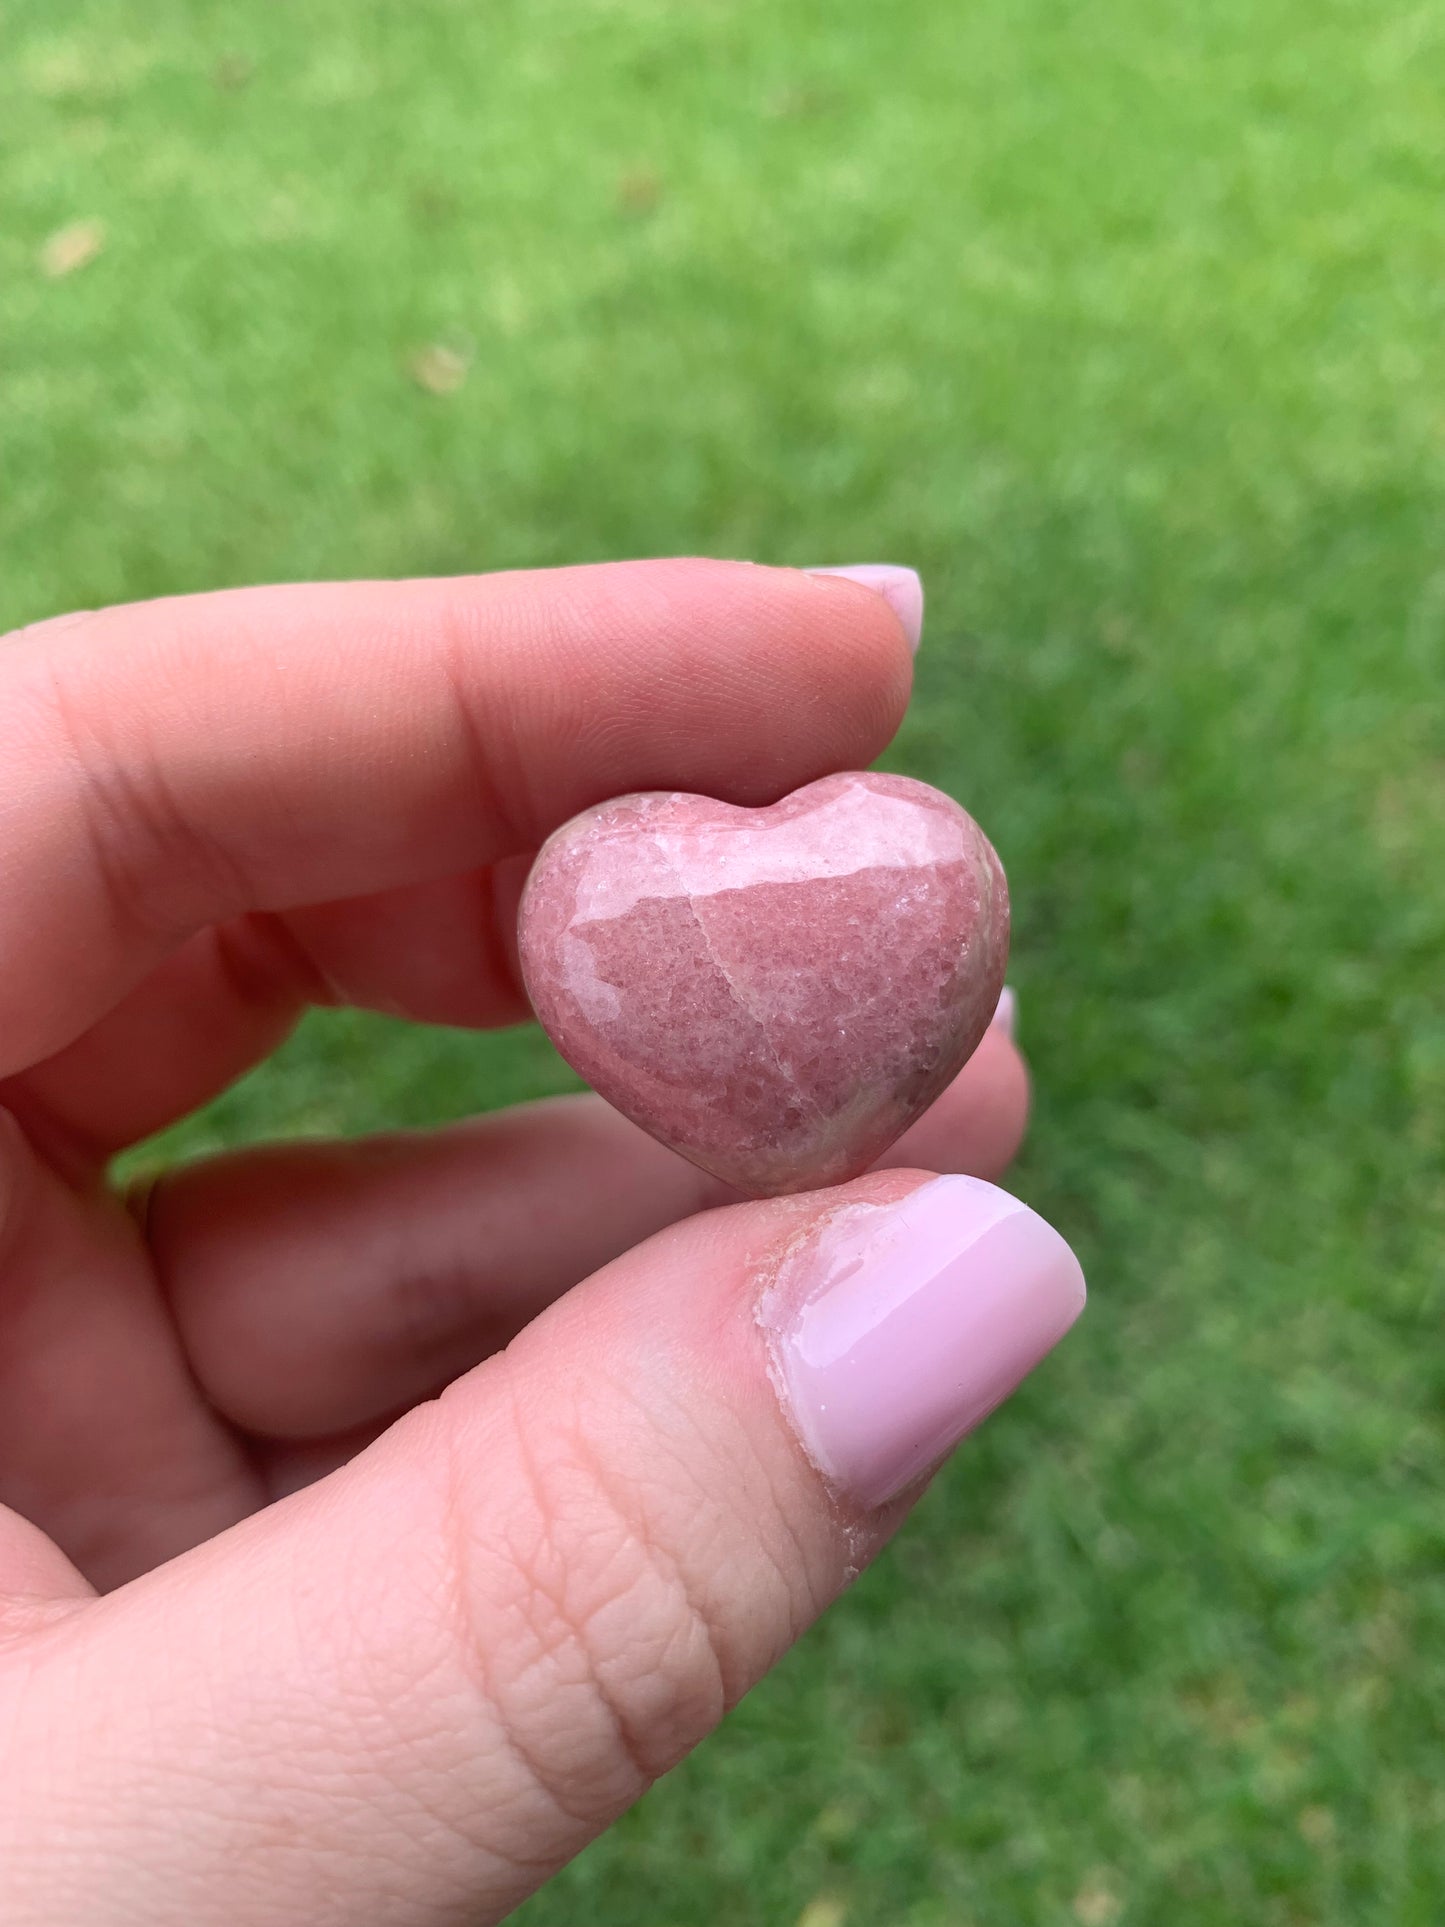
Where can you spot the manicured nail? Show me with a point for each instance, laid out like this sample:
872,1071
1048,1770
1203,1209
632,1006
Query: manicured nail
1006,1013
899,1327
900,588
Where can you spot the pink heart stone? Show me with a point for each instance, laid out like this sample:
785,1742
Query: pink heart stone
775,993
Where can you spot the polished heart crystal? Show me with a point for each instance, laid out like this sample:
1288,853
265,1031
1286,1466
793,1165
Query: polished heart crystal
775,993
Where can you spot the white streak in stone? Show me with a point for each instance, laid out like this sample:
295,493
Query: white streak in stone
856,828
599,1001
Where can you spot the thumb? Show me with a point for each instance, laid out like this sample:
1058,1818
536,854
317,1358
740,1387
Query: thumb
410,1693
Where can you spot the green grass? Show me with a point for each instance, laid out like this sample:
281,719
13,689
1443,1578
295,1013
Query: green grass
1126,323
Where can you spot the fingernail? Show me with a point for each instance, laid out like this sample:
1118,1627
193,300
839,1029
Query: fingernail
900,1326
1006,1013
900,588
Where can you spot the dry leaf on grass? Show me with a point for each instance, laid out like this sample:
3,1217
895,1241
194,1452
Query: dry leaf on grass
233,71
71,248
438,369
1096,1904
638,191
1317,1826
824,1910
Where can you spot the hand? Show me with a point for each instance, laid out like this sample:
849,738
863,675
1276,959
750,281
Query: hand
288,1633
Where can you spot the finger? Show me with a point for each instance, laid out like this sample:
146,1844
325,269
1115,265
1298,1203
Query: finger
107,1443
176,764
439,952
201,1019
35,1576
319,1286
414,1690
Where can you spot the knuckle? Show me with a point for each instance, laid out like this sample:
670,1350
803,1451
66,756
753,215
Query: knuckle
499,771
149,857
589,1636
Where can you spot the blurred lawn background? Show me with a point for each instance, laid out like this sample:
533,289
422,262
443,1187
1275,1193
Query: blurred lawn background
1126,324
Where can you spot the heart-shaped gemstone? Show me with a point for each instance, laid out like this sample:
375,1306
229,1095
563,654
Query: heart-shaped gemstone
776,993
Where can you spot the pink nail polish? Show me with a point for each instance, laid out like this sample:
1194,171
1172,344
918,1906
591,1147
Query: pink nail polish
897,1328
900,588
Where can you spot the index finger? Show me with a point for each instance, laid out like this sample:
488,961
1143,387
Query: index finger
167,765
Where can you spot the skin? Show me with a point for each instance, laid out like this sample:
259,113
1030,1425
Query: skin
380,1519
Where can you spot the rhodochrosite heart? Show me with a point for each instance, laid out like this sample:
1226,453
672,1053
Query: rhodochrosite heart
775,993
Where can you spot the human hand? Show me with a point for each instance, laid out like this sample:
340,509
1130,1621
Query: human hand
288,1633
